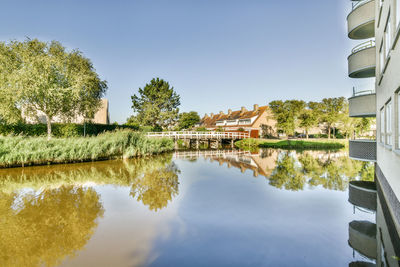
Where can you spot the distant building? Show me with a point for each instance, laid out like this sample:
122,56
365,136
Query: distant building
102,116
258,122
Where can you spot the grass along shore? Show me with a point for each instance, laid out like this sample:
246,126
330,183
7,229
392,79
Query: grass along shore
19,151
311,144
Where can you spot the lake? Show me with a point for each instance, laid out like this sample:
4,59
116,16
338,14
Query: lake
189,208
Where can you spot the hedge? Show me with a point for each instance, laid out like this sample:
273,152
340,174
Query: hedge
60,129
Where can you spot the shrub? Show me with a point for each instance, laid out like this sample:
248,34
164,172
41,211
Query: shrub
60,129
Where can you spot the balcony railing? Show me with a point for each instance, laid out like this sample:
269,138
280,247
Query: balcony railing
362,61
362,46
363,194
356,4
362,149
362,103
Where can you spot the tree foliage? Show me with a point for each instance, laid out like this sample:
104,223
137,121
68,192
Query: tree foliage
43,77
332,108
287,114
156,104
188,119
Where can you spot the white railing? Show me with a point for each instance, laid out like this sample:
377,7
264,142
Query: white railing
362,92
356,4
200,135
362,46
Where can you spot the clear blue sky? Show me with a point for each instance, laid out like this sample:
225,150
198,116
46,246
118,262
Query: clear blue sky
218,54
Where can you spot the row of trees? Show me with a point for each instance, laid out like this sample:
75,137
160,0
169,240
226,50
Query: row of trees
333,113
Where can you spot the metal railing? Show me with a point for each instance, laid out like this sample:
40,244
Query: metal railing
363,92
362,46
356,4
200,135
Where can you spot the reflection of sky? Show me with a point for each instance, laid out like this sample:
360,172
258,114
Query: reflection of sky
223,217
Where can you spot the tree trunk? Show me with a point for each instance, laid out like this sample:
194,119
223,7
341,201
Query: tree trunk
307,134
329,132
48,121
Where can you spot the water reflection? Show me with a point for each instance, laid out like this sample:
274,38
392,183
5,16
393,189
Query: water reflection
291,170
153,181
44,227
377,242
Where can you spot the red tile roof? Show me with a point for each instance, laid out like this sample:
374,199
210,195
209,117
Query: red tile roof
210,121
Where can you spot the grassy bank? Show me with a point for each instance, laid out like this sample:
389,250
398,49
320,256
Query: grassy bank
291,144
25,151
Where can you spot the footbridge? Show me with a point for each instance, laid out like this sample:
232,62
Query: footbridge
196,137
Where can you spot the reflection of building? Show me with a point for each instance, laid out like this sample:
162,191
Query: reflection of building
102,116
260,163
379,58
380,241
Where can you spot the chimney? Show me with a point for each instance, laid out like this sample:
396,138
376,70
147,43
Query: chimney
229,111
255,107
243,109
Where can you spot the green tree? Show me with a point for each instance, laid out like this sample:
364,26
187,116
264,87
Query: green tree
188,119
331,109
43,77
156,104
310,116
287,114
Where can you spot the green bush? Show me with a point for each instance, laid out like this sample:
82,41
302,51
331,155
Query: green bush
60,129
23,151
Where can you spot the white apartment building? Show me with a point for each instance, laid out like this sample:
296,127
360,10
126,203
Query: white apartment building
377,22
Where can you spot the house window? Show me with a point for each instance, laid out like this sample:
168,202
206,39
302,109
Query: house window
382,126
388,37
389,123
244,122
220,123
381,58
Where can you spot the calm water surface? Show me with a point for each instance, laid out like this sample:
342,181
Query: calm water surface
219,208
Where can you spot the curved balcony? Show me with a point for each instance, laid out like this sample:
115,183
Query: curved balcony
364,150
362,61
362,104
361,20
362,238
363,194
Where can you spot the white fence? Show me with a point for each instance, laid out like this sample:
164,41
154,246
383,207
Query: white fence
210,153
200,135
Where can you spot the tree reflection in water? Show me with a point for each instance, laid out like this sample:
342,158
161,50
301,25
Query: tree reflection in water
43,228
49,213
294,170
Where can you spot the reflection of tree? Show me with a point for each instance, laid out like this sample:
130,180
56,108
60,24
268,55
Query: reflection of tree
155,188
154,180
42,228
287,174
332,172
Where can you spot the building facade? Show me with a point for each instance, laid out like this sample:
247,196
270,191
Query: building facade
102,116
258,122
378,22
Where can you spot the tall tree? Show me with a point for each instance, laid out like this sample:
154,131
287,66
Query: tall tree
310,116
156,104
188,119
332,108
43,77
287,114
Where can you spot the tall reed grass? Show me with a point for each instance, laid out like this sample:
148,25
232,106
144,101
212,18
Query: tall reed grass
24,151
